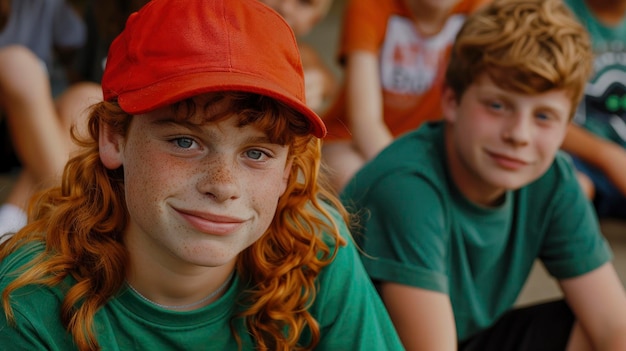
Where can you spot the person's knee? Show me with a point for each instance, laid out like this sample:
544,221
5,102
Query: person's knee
22,73
18,53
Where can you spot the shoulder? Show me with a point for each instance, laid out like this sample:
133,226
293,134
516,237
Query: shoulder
11,265
35,306
405,190
417,156
345,293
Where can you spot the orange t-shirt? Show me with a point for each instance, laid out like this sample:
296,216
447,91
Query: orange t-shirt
412,66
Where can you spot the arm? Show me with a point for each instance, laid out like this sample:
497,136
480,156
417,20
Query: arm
365,104
605,155
599,302
423,318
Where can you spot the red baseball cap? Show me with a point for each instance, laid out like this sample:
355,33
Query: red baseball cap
171,50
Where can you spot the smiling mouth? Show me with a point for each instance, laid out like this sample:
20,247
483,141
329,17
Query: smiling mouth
506,162
211,224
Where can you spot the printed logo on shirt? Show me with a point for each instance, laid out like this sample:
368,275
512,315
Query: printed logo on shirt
409,62
605,95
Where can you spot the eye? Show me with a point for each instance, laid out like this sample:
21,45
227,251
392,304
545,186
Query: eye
184,142
495,105
255,154
549,115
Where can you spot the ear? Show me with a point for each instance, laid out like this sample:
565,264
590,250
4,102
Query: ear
449,104
111,147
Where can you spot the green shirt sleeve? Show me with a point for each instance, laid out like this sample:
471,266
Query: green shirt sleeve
36,310
403,230
573,244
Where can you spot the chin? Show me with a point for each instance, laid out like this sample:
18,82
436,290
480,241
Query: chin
205,257
510,184
515,185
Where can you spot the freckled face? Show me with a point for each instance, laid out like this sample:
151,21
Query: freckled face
197,194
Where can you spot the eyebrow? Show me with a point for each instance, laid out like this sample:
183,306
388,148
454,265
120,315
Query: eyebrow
261,140
172,122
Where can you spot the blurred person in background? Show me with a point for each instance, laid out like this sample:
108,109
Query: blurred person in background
42,96
394,54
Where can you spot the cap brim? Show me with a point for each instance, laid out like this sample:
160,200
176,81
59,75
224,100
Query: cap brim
175,89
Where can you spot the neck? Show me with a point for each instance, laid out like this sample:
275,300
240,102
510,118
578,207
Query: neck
168,280
208,299
182,293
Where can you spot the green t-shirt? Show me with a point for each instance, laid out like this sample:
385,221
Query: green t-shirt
603,109
347,308
417,229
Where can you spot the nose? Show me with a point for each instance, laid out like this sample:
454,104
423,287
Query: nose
517,129
218,179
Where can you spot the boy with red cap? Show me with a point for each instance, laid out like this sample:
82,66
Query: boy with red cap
195,217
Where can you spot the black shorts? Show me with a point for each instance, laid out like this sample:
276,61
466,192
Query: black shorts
542,327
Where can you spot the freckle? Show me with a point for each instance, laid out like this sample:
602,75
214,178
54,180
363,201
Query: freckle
221,175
